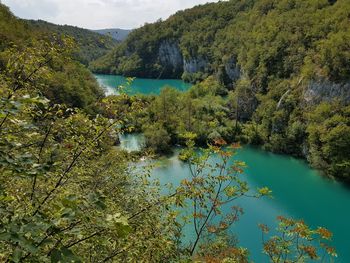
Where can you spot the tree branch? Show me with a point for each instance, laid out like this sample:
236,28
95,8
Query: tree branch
69,168
39,157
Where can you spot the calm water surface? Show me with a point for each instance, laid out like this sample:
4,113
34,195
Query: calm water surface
298,192
139,86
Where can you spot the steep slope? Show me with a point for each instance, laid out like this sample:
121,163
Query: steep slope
285,64
91,44
260,38
169,48
116,33
61,79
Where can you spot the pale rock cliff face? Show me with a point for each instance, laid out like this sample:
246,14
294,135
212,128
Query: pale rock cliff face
171,58
194,65
324,91
233,71
170,55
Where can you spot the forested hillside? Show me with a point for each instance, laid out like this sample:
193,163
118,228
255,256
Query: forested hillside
285,65
62,185
68,195
64,81
116,33
263,39
91,45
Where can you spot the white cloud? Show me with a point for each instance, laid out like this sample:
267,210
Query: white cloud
96,14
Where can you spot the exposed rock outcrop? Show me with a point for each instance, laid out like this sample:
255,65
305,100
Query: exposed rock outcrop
324,90
233,71
194,65
170,55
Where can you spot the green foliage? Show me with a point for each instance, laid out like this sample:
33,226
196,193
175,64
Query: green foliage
90,45
266,38
26,50
212,187
66,195
74,86
201,110
193,31
157,138
296,242
221,249
242,101
276,48
329,139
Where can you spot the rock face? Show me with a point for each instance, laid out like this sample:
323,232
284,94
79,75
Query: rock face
194,65
171,58
170,55
324,91
173,62
233,71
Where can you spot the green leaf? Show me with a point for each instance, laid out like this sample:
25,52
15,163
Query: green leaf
56,256
5,236
231,191
17,255
264,191
28,246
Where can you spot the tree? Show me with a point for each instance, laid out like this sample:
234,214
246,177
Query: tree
212,186
65,194
157,138
329,139
297,243
242,102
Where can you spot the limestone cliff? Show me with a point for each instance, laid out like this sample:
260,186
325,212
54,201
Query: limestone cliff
325,91
232,69
170,55
194,65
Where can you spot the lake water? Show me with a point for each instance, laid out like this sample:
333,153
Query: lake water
298,192
138,86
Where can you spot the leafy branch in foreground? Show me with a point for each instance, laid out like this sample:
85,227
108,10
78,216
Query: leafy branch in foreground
213,188
65,193
296,242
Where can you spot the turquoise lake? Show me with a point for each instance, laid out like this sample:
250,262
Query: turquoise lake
298,192
139,86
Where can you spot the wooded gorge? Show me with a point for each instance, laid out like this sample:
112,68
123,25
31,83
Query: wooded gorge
90,45
282,66
265,72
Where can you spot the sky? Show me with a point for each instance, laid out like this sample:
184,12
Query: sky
99,14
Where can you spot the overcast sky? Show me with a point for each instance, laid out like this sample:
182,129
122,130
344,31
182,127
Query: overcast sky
98,14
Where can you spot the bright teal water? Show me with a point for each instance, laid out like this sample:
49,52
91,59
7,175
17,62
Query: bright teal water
298,191
139,86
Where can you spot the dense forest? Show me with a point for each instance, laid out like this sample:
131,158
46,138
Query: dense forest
116,33
70,83
91,45
68,195
283,68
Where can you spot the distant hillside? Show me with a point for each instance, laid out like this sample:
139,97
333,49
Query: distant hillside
263,39
116,33
92,45
65,81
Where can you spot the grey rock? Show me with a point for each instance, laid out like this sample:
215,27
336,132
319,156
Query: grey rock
233,71
325,91
194,65
170,54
